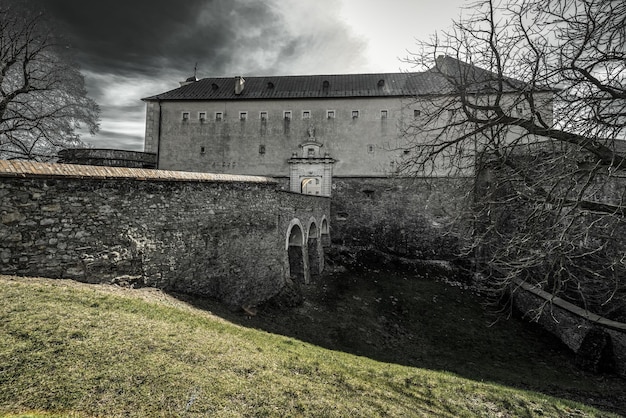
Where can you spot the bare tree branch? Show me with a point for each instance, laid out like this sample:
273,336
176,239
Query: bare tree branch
43,100
532,111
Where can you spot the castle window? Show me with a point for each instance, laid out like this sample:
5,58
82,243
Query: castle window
243,116
416,113
355,114
202,150
370,149
219,116
306,114
310,152
287,114
261,149
383,114
202,116
263,115
185,116
330,114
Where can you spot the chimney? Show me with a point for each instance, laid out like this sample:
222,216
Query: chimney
239,82
188,81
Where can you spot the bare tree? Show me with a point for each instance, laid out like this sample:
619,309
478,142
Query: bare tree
43,101
530,105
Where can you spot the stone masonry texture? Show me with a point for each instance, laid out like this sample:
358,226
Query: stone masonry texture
222,239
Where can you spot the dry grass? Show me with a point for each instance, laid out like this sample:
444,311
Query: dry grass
74,350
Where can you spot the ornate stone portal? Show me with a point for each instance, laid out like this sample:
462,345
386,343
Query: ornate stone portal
311,172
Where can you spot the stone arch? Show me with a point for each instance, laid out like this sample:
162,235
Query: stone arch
596,352
295,252
314,249
325,233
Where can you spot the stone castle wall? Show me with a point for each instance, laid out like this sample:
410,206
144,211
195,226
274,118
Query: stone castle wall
212,235
107,157
361,145
600,344
402,216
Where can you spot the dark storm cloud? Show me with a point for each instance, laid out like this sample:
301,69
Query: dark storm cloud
148,36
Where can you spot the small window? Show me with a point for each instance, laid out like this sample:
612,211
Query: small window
355,114
310,152
287,114
417,113
263,115
243,115
330,114
370,149
185,116
383,114
261,149
219,116
202,116
306,114
202,150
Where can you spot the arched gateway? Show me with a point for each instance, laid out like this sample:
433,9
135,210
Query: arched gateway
314,249
295,251
304,250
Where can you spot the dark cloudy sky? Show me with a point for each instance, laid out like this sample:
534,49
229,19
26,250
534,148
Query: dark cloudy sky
137,48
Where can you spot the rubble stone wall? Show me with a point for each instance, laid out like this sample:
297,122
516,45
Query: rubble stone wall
213,235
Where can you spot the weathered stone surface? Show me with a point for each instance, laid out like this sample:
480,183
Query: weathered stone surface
225,240
11,217
600,344
400,216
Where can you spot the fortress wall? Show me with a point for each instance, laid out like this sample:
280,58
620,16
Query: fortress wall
600,343
212,235
361,145
403,216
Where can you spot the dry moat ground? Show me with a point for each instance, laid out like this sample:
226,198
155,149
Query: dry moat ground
416,319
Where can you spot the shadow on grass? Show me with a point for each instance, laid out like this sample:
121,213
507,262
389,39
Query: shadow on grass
415,320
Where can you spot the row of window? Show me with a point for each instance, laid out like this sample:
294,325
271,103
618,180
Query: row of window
287,114
306,114
310,151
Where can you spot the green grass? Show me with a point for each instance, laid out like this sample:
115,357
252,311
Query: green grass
70,350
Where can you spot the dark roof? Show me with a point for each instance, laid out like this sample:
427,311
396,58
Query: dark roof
474,79
326,86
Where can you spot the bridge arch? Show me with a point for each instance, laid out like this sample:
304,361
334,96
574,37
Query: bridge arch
314,248
295,247
325,233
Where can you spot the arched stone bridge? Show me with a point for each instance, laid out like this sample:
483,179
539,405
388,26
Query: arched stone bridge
305,248
239,239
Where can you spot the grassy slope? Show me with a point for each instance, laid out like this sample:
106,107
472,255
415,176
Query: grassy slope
89,352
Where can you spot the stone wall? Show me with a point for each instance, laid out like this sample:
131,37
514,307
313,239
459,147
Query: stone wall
107,157
401,216
213,235
365,145
600,344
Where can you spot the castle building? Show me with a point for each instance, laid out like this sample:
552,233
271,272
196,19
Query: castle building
338,135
